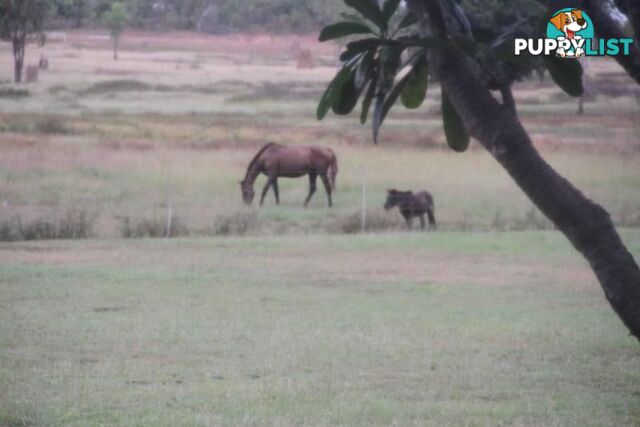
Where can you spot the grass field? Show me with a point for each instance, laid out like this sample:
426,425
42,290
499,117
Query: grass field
173,129
285,315
394,329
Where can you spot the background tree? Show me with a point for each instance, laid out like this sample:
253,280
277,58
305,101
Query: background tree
75,11
115,19
18,20
470,60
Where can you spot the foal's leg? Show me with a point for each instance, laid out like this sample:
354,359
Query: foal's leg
312,187
327,187
265,189
276,191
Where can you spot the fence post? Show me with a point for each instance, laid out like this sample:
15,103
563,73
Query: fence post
364,200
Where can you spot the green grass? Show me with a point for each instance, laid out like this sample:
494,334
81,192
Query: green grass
443,329
127,145
140,178
294,324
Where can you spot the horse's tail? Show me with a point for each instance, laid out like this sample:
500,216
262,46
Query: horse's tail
432,217
333,170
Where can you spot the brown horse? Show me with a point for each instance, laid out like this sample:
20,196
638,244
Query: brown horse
412,205
275,160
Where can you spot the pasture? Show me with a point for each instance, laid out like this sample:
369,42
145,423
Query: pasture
454,329
285,315
168,128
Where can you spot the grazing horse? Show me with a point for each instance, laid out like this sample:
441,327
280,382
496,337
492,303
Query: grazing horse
411,205
275,160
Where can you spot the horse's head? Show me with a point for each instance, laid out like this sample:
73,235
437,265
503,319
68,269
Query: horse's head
393,199
247,192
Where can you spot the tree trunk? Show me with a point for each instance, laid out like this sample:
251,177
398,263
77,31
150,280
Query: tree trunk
18,56
17,72
586,224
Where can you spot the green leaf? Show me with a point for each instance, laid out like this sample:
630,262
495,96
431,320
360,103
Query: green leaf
363,73
415,91
364,44
388,94
389,8
330,93
378,115
357,47
370,10
567,73
342,29
428,41
366,101
408,20
346,97
393,95
390,58
348,55
457,136
381,110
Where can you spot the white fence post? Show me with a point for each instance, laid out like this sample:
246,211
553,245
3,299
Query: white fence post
364,200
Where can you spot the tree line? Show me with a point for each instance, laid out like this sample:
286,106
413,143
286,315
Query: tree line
219,16
21,20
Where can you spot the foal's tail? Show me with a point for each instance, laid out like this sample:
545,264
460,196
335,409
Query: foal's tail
333,170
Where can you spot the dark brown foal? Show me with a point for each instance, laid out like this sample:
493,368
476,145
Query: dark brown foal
412,205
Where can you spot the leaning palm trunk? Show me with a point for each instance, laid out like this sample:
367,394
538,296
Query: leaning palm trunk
496,126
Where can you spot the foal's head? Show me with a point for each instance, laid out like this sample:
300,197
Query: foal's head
394,198
247,192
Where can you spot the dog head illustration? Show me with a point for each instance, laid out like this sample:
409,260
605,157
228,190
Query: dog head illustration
569,22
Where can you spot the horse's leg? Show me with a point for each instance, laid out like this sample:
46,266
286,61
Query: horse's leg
422,222
407,219
327,187
312,187
276,191
265,189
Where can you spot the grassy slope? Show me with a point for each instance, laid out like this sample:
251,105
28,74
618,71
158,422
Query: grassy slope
167,124
438,329
442,329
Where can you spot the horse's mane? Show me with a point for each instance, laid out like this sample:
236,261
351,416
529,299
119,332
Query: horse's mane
257,156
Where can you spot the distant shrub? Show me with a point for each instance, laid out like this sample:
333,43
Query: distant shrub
499,223
112,86
154,228
239,223
29,123
56,89
278,91
531,221
13,93
375,221
51,125
75,224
